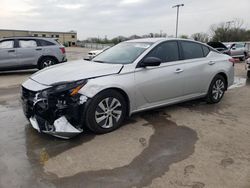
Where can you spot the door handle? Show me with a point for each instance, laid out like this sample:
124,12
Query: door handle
11,51
211,62
178,70
38,49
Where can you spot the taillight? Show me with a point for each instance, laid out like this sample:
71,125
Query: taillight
232,60
62,50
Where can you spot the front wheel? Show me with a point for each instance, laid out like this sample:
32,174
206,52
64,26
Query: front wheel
216,90
106,112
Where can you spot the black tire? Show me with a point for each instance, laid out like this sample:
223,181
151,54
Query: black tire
46,62
248,74
242,58
95,113
215,94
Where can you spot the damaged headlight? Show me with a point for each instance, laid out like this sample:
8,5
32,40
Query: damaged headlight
71,88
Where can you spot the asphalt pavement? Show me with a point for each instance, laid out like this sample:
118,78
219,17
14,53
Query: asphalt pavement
192,144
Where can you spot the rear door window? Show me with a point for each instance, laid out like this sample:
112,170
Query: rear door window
206,50
167,51
7,44
45,43
192,50
27,44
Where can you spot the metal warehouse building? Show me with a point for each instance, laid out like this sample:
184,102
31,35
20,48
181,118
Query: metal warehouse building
66,38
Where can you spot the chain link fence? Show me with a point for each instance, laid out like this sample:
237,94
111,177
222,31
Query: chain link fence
96,46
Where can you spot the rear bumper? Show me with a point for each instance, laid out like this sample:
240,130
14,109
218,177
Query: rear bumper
231,77
64,60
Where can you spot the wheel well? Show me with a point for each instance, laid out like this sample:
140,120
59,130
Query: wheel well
225,77
124,94
47,56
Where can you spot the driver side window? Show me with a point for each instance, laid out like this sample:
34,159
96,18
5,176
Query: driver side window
167,51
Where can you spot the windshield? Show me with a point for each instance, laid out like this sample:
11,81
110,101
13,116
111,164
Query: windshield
239,45
123,53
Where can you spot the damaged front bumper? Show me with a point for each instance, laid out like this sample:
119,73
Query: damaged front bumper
62,128
57,114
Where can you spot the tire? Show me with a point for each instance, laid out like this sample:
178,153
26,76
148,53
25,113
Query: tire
100,118
242,58
46,62
248,74
216,90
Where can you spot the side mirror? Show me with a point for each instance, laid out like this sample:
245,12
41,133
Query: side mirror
233,48
151,62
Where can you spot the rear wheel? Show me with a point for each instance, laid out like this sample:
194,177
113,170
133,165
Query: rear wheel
46,62
248,74
216,90
106,112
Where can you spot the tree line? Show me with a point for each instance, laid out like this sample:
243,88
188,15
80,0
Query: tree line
223,32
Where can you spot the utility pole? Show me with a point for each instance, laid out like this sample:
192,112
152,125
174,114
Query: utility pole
177,20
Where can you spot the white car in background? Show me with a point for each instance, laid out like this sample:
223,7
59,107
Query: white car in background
94,53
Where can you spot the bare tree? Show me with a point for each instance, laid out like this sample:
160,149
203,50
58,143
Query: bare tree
202,37
229,31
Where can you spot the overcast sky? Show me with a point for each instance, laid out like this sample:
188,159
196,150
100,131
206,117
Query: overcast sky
93,18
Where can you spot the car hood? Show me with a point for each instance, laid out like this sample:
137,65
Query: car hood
73,71
217,45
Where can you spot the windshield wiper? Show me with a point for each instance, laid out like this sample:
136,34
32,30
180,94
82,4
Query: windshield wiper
98,61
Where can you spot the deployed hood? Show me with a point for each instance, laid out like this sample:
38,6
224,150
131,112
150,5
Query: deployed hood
217,45
73,71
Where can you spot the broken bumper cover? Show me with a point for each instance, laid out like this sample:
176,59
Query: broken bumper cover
62,128
57,114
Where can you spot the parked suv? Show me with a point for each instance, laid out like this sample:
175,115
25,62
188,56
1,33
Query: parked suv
30,52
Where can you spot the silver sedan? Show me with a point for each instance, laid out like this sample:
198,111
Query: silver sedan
130,77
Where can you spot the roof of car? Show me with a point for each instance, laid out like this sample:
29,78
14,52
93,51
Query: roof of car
154,40
25,37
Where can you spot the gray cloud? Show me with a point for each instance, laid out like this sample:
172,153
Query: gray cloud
124,17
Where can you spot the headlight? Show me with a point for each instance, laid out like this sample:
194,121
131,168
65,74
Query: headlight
71,87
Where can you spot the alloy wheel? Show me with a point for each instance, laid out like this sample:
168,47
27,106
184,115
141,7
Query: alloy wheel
218,89
108,112
47,63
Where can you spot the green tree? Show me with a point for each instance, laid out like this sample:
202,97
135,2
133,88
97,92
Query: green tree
184,36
